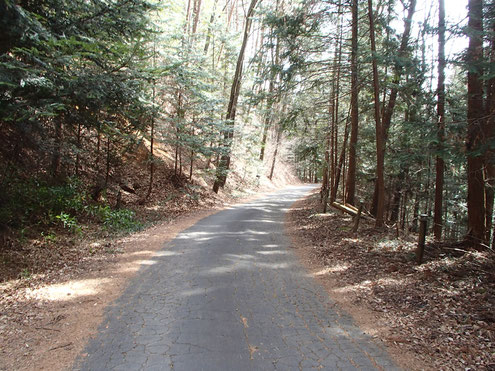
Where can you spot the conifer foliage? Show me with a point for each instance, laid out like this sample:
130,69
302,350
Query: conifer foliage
361,92
73,91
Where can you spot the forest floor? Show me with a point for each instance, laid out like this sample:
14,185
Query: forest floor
438,315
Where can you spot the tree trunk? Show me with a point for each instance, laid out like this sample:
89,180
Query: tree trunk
334,125
266,124
399,196
380,145
489,130
489,199
351,172
98,148
338,171
152,158
107,172
329,167
57,147
269,105
227,28
325,183
176,158
475,114
210,25
188,14
333,142
439,179
335,96
403,213
78,149
223,166
398,70
191,164
279,135
196,11
152,129
180,161
389,108
414,222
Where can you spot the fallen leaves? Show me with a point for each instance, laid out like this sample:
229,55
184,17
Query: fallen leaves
442,312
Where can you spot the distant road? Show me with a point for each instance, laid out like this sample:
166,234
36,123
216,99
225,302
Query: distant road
229,294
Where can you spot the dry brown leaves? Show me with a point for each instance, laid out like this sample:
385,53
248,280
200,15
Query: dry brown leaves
443,312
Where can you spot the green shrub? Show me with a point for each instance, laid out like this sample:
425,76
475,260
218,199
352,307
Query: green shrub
114,220
69,222
121,219
35,202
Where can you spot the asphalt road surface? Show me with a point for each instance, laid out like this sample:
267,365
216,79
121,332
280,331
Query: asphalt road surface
229,294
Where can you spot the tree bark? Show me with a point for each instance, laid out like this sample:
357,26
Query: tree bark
329,167
488,136
338,171
152,158
191,163
334,98
152,128
210,25
224,164
401,189
389,108
188,14
271,89
439,178
78,149
279,135
107,172
351,172
398,70
475,113
196,11
57,147
380,145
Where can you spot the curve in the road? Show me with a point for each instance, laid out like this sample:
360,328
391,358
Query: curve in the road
229,294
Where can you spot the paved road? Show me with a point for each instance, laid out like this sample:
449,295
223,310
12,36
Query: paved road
228,294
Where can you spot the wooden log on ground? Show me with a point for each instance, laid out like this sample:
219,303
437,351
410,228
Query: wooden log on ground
349,209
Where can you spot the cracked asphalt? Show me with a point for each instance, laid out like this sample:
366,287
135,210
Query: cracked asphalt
229,294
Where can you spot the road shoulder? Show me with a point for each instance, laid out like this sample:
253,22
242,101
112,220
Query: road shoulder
370,322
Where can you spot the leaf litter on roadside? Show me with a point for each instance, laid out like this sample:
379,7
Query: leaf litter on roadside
442,312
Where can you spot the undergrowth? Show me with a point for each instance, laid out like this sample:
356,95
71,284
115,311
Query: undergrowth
39,205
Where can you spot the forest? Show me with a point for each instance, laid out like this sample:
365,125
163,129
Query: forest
118,114
362,96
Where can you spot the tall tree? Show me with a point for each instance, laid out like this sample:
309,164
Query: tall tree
224,163
380,140
437,220
490,131
389,108
351,172
271,90
475,116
